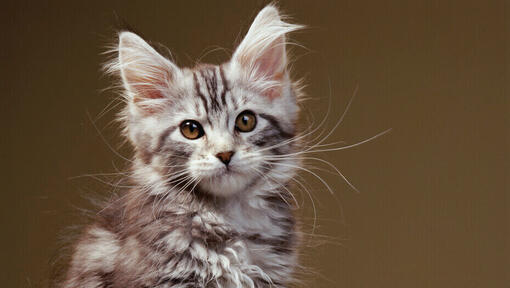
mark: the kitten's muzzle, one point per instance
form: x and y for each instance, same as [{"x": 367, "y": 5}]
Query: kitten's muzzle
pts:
[{"x": 225, "y": 157}]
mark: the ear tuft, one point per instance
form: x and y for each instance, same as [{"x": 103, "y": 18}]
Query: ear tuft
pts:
[{"x": 262, "y": 54}]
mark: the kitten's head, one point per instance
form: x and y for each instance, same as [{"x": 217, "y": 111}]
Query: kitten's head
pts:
[{"x": 216, "y": 128}]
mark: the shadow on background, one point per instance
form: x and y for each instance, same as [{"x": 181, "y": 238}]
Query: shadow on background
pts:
[{"x": 433, "y": 207}]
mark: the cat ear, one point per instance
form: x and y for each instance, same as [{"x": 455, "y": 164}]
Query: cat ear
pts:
[
  {"x": 262, "y": 54},
  {"x": 146, "y": 74}
]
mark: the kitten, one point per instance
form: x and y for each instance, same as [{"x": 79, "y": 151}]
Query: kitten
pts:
[{"x": 209, "y": 205}]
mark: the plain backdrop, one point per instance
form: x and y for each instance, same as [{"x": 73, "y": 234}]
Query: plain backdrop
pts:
[{"x": 432, "y": 208}]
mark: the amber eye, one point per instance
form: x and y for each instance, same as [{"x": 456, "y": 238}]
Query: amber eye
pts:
[
  {"x": 246, "y": 121},
  {"x": 191, "y": 129}
]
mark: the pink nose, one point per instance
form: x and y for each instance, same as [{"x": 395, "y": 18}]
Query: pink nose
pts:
[{"x": 225, "y": 156}]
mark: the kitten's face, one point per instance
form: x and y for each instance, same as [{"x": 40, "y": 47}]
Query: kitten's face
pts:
[
  {"x": 212, "y": 127},
  {"x": 220, "y": 132}
]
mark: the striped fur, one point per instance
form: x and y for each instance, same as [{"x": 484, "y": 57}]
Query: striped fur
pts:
[{"x": 190, "y": 220}]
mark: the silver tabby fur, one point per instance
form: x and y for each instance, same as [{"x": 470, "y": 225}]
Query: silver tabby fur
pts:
[{"x": 189, "y": 221}]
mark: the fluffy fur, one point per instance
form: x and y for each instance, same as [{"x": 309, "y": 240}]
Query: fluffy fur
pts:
[{"x": 189, "y": 220}]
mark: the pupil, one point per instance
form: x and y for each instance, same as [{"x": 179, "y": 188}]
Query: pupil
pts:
[
  {"x": 192, "y": 127},
  {"x": 245, "y": 120}
]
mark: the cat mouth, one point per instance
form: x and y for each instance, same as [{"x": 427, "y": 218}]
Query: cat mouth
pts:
[
  {"x": 225, "y": 171},
  {"x": 225, "y": 181}
]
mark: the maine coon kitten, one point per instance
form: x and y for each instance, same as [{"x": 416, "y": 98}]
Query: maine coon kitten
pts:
[{"x": 209, "y": 205}]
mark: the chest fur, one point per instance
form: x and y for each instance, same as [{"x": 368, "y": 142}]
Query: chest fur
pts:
[{"x": 242, "y": 248}]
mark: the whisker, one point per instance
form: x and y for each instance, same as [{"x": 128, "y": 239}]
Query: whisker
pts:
[
  {"x": 106, "y": 142},
  {"x": 336, "y": 148},
  {"x": 309, "y": 171},
  {"x": 311, "y": 200},
  {"x": 327, "y": 163},
  {"x": 352, "y": 145},
  {"x": 267, "y": 177},
  {"x": 341, "y": 117}
]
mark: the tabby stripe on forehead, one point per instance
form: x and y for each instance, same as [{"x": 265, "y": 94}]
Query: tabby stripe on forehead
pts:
[
  {"x": 199, "y": 93},
  {"x": 276, "y": 124},
  {"x": 225, "y": 86},
  {"x": 210, "y": 80}
]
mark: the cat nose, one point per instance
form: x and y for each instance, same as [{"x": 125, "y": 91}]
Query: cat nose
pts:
[{"x": 225, "y": 156}]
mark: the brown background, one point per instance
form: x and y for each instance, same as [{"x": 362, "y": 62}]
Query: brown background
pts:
[{"x": 433, "y": 204}]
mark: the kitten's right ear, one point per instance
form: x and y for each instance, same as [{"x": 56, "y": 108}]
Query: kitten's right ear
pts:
[{"x": 146, "y": 74}]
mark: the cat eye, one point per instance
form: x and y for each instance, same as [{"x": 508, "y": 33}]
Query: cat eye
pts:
[
  {"x": 246, "y": 121},
  {"x": 191, "y": 129}
]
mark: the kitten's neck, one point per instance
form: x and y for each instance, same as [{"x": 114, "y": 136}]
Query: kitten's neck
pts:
[{"x": 254, "y": 209}]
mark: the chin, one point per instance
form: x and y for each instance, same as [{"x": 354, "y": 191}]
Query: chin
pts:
[{"x": 226, "y": 184}]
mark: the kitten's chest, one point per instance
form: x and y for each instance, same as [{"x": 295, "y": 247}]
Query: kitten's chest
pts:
[
  {"x": 238, "y": 223},
  {"x": 241, "y": 244}
]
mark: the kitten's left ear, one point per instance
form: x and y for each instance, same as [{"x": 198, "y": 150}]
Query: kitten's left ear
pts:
[{"x": 262, "y": 54}]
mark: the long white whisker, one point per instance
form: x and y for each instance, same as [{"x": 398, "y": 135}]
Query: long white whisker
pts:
[
  {"x": 311, "y": 200},
  {"x": 327, "y": 163},
  {"x": 306, "y": 170},
  {"x": 106, "y": 142},
  {"x": 352, "y": 145},
  {"x": 267, "y": 177},
  {"x": 336, "y": 148},
  {"x": 341, "y": 117}
]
